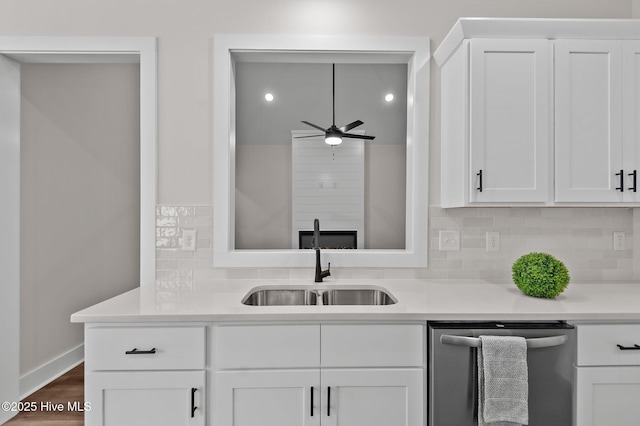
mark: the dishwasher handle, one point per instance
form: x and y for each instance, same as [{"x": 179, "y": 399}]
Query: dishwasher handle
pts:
[{"x": 475, "y": 342}]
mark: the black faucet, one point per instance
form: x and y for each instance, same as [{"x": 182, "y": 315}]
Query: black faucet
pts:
[{"x": 320, "y": 274}]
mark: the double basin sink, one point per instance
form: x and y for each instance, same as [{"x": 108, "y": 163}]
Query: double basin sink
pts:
[{"x": 318, "y": 296}]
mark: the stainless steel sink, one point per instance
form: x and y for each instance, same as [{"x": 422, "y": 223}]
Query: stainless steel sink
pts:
[
  {"x": 281, "y": 297},
  {"x": 357, "y": 296},
  {"x": 318, "y": 295}
]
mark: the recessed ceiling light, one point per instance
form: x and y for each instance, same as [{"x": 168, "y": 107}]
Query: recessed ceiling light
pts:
[
  {"x": 268, "y": 97},
  {"x": 388, "y": 97}
]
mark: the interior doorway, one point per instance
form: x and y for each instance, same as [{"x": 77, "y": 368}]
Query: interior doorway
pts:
[{"x": 14, "y": 53}]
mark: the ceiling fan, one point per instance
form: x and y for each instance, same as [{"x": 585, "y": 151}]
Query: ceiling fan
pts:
[{"x": 334, "y": 134}]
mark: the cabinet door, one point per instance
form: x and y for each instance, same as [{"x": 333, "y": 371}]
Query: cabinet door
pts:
[
  {"x": 510, "y": 116},
  {"x": 607, "y": 396},
  {"x": 146, "y": 398},
  {"x": 631, "y": 119},
  {"x": 267, "y": 398},
  {"x": 588, "y": 100},
  {"x": 372, "y": 397}
]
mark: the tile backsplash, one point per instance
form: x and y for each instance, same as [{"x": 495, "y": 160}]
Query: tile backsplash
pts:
[{"x": 581, "y": 237}]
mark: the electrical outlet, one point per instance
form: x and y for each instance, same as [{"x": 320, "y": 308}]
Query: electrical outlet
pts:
[
  {"x": 619, "y": 241},
  {"x": 189, "y": 238},
  {"x": 449, "y": 241},
  {"x": 493, "y": 241}
]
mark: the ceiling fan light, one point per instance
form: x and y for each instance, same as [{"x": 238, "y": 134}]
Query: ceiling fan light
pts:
[{"x": 333, "y": 140}]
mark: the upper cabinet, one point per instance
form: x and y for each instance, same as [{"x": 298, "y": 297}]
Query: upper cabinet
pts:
[{"x": 539, "y": 112}]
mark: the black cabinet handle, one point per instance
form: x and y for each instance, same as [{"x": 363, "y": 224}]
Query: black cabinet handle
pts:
[
  {"x": 629, "y": 348},
  {"x": 311, "y": 401},
  {"x": 135, "y": 351},
  {"x": 634, "y": 178},
  {"x": 328, "y": 401},
  {"x": 621, "y": 187},
  {"x": 193, "y": 402},
  {"x": 479, "y": 174}
]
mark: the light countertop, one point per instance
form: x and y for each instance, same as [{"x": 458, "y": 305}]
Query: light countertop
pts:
[{"x": 220, "y": 300}]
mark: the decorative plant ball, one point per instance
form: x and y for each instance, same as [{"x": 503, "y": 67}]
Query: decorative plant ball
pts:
[{"x": 540, "y": 275}]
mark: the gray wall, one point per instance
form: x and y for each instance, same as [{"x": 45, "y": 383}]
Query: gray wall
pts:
[{"x": 79, "y": 198}]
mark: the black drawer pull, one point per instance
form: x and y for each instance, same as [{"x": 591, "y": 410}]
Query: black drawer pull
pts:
[
  {"x": 135, "y": 351},
  {"x": 311, "y": 401},
  {"x": 621, "y": 187},
  {"x": 634, "y": 175},
  {"x": 629, "y": 348},
  {"x": 479, "y": 174},
  {"x": 193, "y": 402}
]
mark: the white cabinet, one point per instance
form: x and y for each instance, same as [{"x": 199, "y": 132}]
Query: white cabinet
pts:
[
  {"x": 588, "y": 105},
  {"x": 267, "y": 397},
  {"x": 540, "y": 112},
  {"x": 496, "y": 123},
  {"x": 372, "y": 397},
  {"x": 607, "y": 375},
  {"x": 145, "y": 375},
  {"x": 361, "y": 374},
  {"x": 597, "y": 109},
  {"x": 145, "y": 398}
]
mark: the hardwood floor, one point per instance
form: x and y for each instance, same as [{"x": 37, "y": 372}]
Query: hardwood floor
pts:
[{"x": 55, "y": 404}]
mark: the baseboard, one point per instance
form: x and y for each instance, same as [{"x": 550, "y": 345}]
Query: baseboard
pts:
[{"x": 46, "y": 373}]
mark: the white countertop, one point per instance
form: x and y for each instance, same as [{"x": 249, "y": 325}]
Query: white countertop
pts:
[{"x": 220, "y": 300}]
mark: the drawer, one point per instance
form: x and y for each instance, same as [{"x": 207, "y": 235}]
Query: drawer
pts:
[
  {"x": 145, "y": 348},
  {"x": 266, "y": 346},
  {"x": 598, "y": 344},
  {"x": 373, "y": 345}
]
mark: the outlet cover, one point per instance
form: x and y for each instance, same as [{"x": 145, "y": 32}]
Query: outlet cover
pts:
[
  {"x": 619, "y": 241},
  {"x": 189, "y": 238},
  {"x": 449, "y": 241},
  {"x": 493, "y": 241}
]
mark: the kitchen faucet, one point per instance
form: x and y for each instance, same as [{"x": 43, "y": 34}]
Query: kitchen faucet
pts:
[{"x": 320, "y": 274}]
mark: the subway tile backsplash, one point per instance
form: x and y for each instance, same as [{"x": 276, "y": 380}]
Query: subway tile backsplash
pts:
[{"x": 581, "y": 237}]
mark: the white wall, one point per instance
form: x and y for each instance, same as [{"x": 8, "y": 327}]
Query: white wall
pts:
[
  {"x": 184, "y": 31},
  {"x": 80, "y": 198}
]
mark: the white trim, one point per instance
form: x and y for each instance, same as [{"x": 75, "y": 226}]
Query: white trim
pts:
[
  {"x": 10, "y": 231},
  {"x": 415, "y": 51},
  {"x": 67, "y": 50},
  {"x": 116, "y": 50},
  {"x": 51, "y": 370}
]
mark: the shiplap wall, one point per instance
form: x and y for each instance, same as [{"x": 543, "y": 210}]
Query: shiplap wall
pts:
[{"x": 327, "y": 184}]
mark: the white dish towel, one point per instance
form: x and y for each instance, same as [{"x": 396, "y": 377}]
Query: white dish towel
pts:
[{"x": 503, "y": 385}]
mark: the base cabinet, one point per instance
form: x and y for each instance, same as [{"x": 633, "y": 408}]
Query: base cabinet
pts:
[
  {"x": 333, "y": 375},
  {"x": 146, "y": 398},
  {"x": 607, "y": 396},
  {"x": 607, "y": 386},
  {"x": 254, "y": 397},
  {"x": 372, "y": 397},
  {"x": 145, "y": 375}
]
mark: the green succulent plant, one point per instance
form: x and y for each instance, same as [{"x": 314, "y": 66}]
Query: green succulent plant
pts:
[{"x": 540, "y": 275}]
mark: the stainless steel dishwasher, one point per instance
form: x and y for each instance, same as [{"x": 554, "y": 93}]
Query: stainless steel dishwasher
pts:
[{"x": 452, "y": 391}]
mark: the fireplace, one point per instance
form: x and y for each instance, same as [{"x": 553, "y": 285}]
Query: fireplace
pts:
[{"x": 329, "y": 239}]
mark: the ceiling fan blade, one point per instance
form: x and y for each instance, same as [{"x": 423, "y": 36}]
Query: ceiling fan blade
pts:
[
  {"x": 314, "y": 125},
  {"x": 354, "y": 136},
  {"x": 310, "y": 136},
  {"x": 350, "y": 126}
]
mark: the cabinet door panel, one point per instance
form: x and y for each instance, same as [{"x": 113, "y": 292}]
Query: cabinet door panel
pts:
[
  {"x": 380, "y": 397},
  {"x": 145, "y": 398},
  {"x": 510, "y": 115},
  {"x": 631, "y": 118},
  {"x": 267, "y": 398},
  {"x": 607, "y": 396},
  {"x": 588, "y": 77}
]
